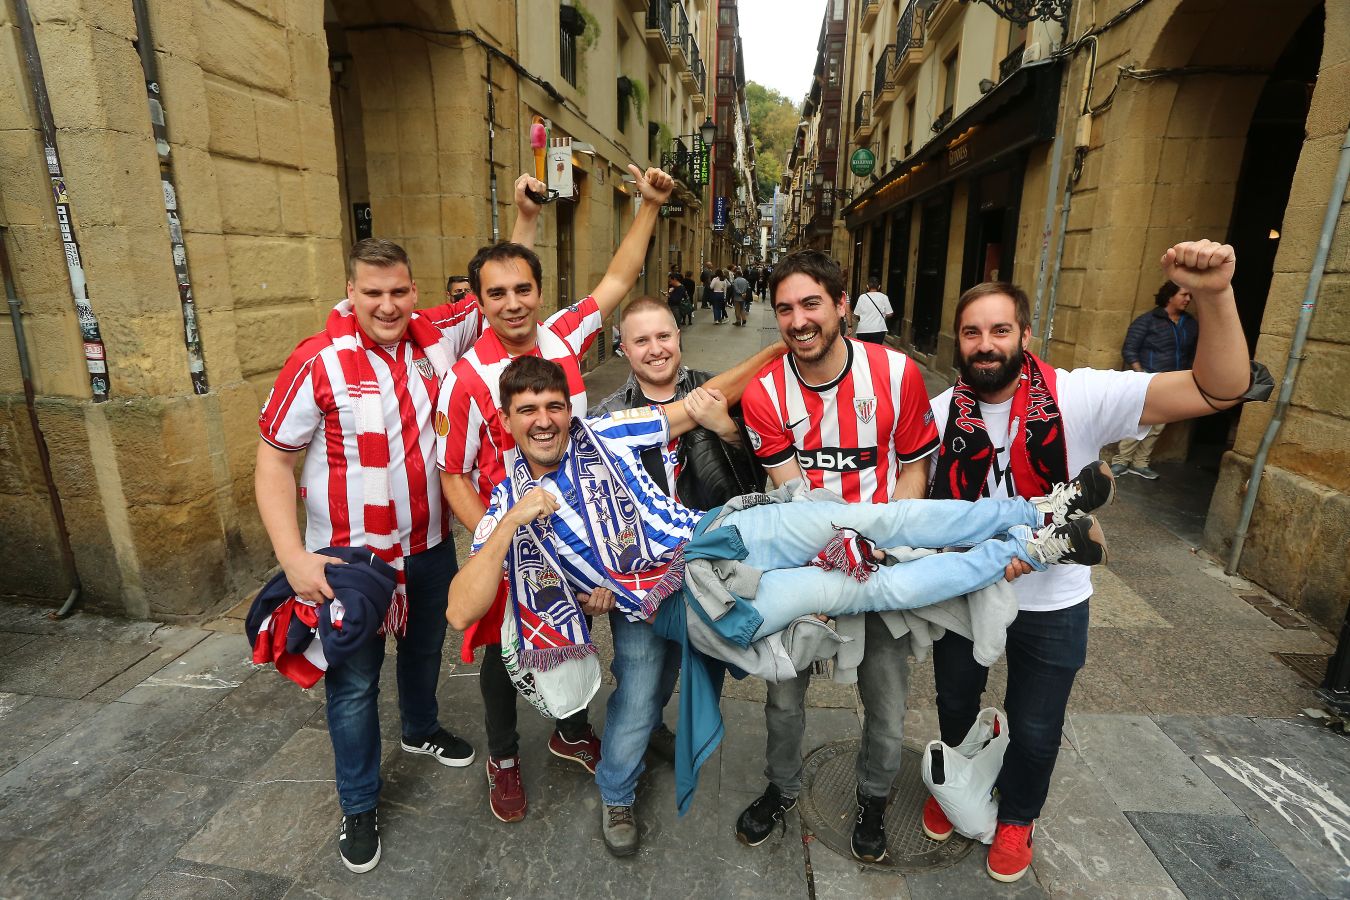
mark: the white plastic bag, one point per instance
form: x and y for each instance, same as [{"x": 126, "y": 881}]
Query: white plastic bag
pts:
[
  {"x": 962, "y": 780},
  {"x": 559, "y": 692}
]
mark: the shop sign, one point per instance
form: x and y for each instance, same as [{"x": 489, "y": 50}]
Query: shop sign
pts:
[{"x": 862, "y": 162}]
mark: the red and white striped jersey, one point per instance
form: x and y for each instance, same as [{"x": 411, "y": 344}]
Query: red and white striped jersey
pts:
[
  {"x": 850, "y": 435},
  {"x": 309, "y": 408},
  {"x": 470, "y": 439}
]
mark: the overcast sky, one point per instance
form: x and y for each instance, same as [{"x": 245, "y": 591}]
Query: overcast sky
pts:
[{"x": 780, "y": 43}]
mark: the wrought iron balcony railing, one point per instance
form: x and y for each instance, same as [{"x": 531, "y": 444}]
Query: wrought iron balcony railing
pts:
[
  {"x": 884, "y": 78},
  {"x": 862, "y": 110}
]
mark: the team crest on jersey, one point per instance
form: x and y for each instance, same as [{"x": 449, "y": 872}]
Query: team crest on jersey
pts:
[
  {"x": 755, "y": 440},
  {"x": 441, "y": 424},
  {"x": 424, "y": 367},
  {"x": 866, "y": 408}
]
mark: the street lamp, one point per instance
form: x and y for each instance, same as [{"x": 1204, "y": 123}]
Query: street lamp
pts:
[
  {"x": 707, "y": 131},
  {"x": 680, "y": 155}
]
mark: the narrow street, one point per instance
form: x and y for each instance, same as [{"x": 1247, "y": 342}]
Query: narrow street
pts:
[{"x": 144, "y": 760}]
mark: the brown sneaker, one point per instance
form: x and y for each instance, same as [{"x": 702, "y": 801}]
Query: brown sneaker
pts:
[
  {"x": 506, "y": 794},
  {"x": 584, "y": 751}
]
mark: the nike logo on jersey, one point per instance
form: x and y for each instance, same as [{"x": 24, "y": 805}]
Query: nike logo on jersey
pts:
[
  {"x": 839, "y": 459},
  {"x": 791, "y": 425}
]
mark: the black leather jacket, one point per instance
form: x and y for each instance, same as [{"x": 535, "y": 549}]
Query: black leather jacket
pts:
[{"x": 711, "y": 470}]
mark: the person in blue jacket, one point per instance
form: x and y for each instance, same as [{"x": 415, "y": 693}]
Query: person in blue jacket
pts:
[{"x": 1161, "y": 340}]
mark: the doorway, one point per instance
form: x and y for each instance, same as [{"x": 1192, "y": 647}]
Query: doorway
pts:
[
  {"x": 931, "y": 271},
  {"x": 897, "y": 270}
]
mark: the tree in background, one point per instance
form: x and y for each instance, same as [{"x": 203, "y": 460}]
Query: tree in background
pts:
[{"x": 773, "y": 125}]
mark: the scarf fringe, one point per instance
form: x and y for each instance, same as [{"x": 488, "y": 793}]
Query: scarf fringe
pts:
[{"x": 542, "y": 659}]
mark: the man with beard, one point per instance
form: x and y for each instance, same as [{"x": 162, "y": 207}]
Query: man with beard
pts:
[
  {"x": 853, "y": 418},
  {"x": 1013, "y": 424}
]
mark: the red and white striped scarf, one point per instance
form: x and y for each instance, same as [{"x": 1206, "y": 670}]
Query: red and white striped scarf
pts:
[{"x": 379, "y": 520}]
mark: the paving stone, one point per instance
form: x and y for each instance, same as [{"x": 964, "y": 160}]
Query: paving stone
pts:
[
  {"x": 242, "y": 731},
  {"x": 1326, "y": 753},
  {"x": 13, "y": 852},
  {"x": 968, "y": 879},
  {"x": 264, "y": 826},
  {"x": 34, "y": 722},
  {"x": 70, "y": 667},
  {"x": 1219, "y": 857},
  {"x": 184, "y": 878},
  {"x": 1116, "y": 605},
  {"x": 112, "y": 847},
  {"x": 1083, "y": 841},
  {"x": 12, "y": 640},
  {"x": 837, "y": 878},
  {"x": 1225, "y": 735},
  {"x": 198, "y": 679},
  {"x": 1142, "y": 769},
  {"x": 172, "y": 642},
  {"x": 40, "y": 795}
]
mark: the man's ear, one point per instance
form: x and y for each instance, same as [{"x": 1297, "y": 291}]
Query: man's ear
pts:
[{"x": 351, "y": 292}]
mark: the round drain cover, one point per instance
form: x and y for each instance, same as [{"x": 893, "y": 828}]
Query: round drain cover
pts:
[{"x": 829, "y": 804}]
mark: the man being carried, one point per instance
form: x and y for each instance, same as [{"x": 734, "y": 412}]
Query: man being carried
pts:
[
  {"x": 578, "y": 522},
  {"x": 1013, "y": 425}
]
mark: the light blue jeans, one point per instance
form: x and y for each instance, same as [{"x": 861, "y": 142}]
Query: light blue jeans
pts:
[
  {"x": 783, "y": 537},
  {"x": 634, "y": 708}
]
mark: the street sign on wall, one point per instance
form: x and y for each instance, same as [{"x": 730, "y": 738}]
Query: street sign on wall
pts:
[
  {"x": 862, "y": 162},
  {"x": 721, "y": 206}
]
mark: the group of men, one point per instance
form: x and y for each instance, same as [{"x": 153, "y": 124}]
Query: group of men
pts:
[{"x": 387, "y": 395}]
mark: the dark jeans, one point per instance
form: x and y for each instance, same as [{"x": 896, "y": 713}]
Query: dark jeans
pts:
[
  {"x": 499, "y": 706},
  {"x": 1045, "y": 652},
  {"x": 719, "y": 307},
  {"x": 353, "y": 688},
  {"x": 871, "y": 337}
]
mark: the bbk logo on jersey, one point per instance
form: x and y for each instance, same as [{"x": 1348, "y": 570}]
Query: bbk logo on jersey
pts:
[{"x": 839, "y": 459}]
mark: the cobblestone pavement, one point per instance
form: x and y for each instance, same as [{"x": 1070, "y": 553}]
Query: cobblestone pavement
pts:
[{"x": 143, "y": 760}]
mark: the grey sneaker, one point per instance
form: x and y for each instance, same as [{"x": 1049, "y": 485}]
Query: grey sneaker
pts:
[
  {"x": 1094, "y": 487},
  {"x": 1080, "y": 541},
  {"x": 1144, "y": 472},
  {"x": 619, "y": 829},
  {"x": 1119, "y": 469}
]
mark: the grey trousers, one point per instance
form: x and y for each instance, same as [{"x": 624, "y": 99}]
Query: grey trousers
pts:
[{"x": 883, "y": 683}]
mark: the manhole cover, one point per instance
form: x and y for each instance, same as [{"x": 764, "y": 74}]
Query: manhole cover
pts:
[
  {"x": 829, "y": 804},
  {"x": 1312, "y": 666}
]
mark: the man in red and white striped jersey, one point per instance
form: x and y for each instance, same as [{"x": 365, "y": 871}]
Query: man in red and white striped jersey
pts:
[
  {"x": 854, "y": 418},
  {"x": 360, "y": 397},
  {"x": 472, "y": 441}
]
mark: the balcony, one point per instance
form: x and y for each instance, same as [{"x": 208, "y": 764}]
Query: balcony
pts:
[
  {"x": 862, "y": 118},
  {"x": 681, "y": 38},
  {"x": 658, "y": 34},
  {"x": 867, "y": 13},
  {"x": 941, "y": 15},
  {"x": 700, "y": 76},
  {"x": 1011, "y": 63},
  {"x": 909, "y": 43},
  {"x": 884, "y": 86}
]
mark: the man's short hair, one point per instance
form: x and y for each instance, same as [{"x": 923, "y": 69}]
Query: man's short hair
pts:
[
  {"x": 376, "y": 252},
  {"x": 814, "y": 264},
  {"x": 873, "y": 283},
  {"x": 1021, "y": 304},
  {"x": 500, "y": 252},
  {"x": 1165, "y": 293},
  {"x": 645, "y": 303},
  {"x": 449, "y": 282},
  {"x": 531, "y": 373}
]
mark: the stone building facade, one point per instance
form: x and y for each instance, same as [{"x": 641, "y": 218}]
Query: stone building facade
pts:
[
  {"x": 290, "y": 127},
  {"x": 1068, "y": 155}
]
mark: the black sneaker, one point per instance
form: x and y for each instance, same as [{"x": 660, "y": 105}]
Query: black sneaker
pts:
[
  {"x": 359, "y": 841},
  {"x": 661, "y": 743},
  {"x": 757, "y": 822},
  {"x": 1094, "y": 487},
  {"x": 1080, "y": 541},
  {"x": 443, "y": 746},
  {"x": 869, "y": 829}
]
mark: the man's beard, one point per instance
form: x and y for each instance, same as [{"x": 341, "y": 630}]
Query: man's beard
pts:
[
  {"x": 991, "y": 380},
  {"x": 829, "y": 336}
]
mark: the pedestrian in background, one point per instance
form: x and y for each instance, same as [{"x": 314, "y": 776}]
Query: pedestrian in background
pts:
[
  {"x": 719, "y": 296},
  {"x": 872, "y": 309},
  {"x": 740, "y": 289},
  {"x": 1161, "y": 340},
  {"x": 705, "y": 278}
]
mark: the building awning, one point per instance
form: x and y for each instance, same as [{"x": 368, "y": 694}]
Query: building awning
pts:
[{"x": 1020, "y": 111}]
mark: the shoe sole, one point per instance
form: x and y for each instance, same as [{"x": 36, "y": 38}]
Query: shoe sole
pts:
[
  {"x": 620, "y": 851},
  {"x": 867, "y": 859},
  {"x": 1141, "y": 475},
  {"x": 1098, "y": 537},
  {"x": 934, "y": 836},
  {"x": 362, "y": 868},
  {"x": 571, "y": 759},
  {"x": 1105, "y": 471},
  {"x": 443, "y": 760},
  {"x": 1006, "y": 879}
]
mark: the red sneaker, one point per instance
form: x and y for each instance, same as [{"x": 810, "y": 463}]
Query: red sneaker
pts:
[
  {"x": 584, "y": 751},
  {"x": 936, "y": 825},
  {"x": 506, "y": 794},
  {"x": 1010, "y": 854}
]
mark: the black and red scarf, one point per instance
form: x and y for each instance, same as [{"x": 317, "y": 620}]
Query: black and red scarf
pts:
[{"x": 1037, "y": 454}]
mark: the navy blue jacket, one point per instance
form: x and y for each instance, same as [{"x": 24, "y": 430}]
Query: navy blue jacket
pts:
[{"x": 1160, "y": 345}]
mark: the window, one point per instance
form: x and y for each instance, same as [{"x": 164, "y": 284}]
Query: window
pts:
[
  {"x": 571, "y": 26},
  {"x": 909, "y": 127},
  {"x": 949, "y": 81},
  {"x": 725, "y": 15},
  {"x": 724, "y": 59},
  {"x": 838, "y": 9}
]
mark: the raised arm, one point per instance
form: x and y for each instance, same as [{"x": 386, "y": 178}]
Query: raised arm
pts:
[
  {"x": 729, "y": 385},
  {"x": 527, "y": 211},
  {"x": 655, "y": 187},
  {"x": 1221, "y": 366}
]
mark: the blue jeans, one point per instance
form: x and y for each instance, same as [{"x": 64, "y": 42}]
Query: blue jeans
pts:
[
  {"x": 783, "y": 537},
  {"x": 634, "y": 708},
  {"x": 1045, "y": 652},
  {"x": 719, "y": 307},
  {"x": 353, "y": 688}
]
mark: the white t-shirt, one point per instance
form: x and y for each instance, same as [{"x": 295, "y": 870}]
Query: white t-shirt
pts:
[
  {"x": 1097, "y": 407},
  {"x": 871, "y": 308}
]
